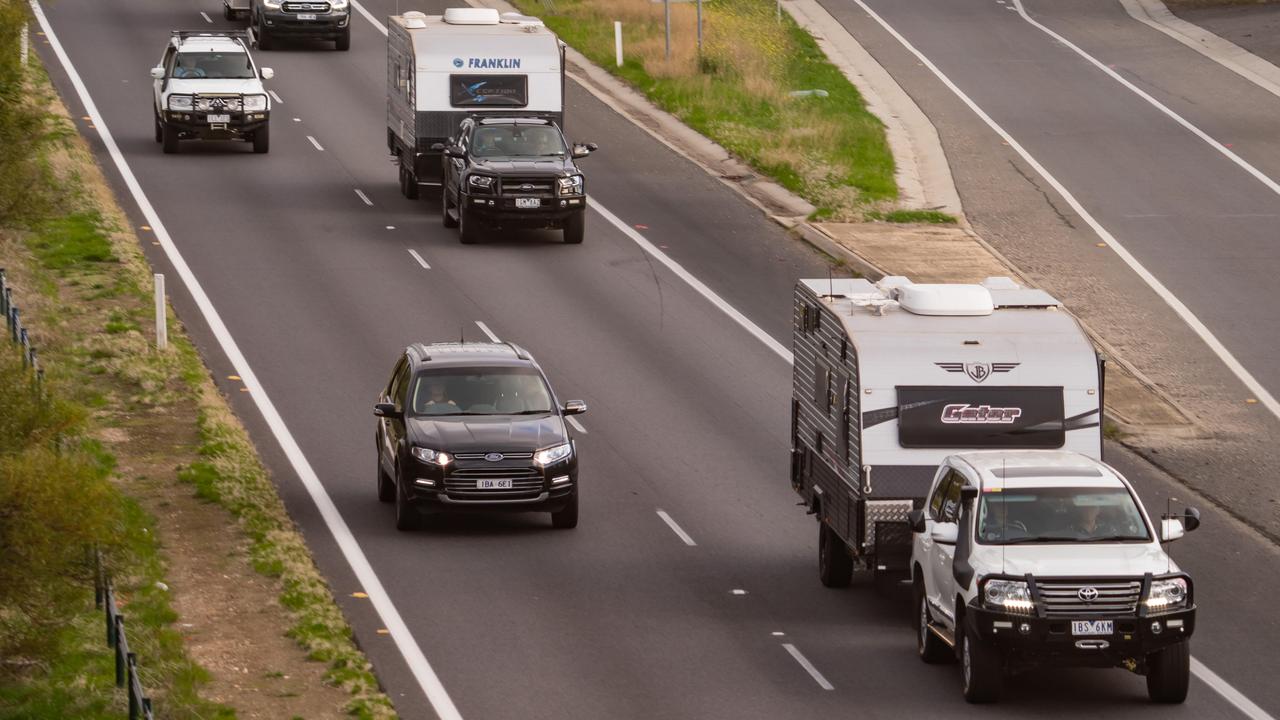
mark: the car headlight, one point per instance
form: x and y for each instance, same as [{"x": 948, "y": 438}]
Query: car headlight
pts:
[
  {"x": 180, "y": 102},
  {"x": 1169, "y": 594},
  {"x": 571, "y": 185},
  {"x": 338, "y": 4},
  {"x": 255, "y": 103},
  {"x": 1008, "y": 595},
  {"x": 435, "y": 457},
  {"x": 553, "y": 455},
  {"x": 273, "y": 4},
  {"x": 481, "y": 182}
]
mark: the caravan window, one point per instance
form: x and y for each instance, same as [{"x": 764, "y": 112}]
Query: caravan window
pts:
[{"x": 489, "y": 90}]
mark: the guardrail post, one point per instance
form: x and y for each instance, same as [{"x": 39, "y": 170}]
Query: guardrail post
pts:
[
  {"x": 4, "y": 293},
  {"x": 146, "y": 709},
  {"x": 131, "y": 661},
  {"x": 26, "y": 348},
  {"x": 122, "y": 650},
  {"x": 14, "y": 321}
]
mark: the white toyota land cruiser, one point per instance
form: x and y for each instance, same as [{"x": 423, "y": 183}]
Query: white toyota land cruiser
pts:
[
  {"x": 207, "y": 87},
  {"x": 1047, "y": 558}
]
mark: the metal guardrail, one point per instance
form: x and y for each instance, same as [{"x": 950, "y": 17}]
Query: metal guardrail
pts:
[
  {"x": 17, "y": 333},
  {"x": 104, "y": 598}
]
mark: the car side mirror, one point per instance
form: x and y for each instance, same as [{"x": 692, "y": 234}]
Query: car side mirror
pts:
[
  {"x": 267, "y": 73},
  {"x": 575, "y": 407},
  {"x": 1191, "y": 519},
  {"x": 455, "y": 151},
  {"x": 1171, "y": 530},
  {"x": 386, "y": 410},
  {"x": 157, "y": 73},
  {"x": 945, "y": 533},
  {"x": 915, "y": 519},
  {"x": 581, "y": 151}
]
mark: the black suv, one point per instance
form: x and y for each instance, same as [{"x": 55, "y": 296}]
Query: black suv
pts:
[
  {"x": 311, "y": 19},
  {"x": 513, "y": 172},
  {"x": 474, "y": 426}
]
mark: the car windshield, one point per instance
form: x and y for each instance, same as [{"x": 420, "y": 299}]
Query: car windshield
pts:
[
  {"x": 1059, "y": 515},
  {"x": 517, "y": 141},
  {"x": 233, "y": 65},
  {"x": 481, "y": 391}
]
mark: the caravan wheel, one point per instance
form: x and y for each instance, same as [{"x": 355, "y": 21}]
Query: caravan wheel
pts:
[{"x": 835, "y": 566}]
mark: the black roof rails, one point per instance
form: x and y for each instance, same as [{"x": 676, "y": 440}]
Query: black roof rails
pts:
[
  {"x": 231, "y": 33},
  {"x": 519, "y": 351},
  {"x": 421, "y": 350}
]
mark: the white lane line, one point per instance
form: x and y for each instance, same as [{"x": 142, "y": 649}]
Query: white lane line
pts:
[
  {"x": 420, "y": 260},
  {"x": 1233, "y": 696},
  {"x": 1170, "y": 299},
  {"x": 316, "y": 143},
  {"x": 487, "y": 331},
  {"x": 808, "y": 667},
  {"x": 363, "y": 197},
  {"x": 675, "y": 528},
  {"x": 347, "y": 544},
  {"x": 576, "y": 425},
  {"x": 275, "y": 97},
  {"x": 653, "y": 250},
  {"x": 206, "y": 17},
  {"x": 1206, "y": 335}
]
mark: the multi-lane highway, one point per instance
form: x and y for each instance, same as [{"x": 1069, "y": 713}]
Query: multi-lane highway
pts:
[{"x": 689, "y": 590}]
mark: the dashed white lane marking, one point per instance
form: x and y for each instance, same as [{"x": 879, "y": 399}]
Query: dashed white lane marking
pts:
[
  {"x": 276, "y": 98},
  {"x": 365, "y": 199},
  {"x": 419, "y": 258},
  {"x": 1232, "y": 695},
  {"x": 316, "y": 143},
  {"x": 675, "y": 528},
  {"x": 738, "y": 591},
  {"x": 576, "y": 425},
  {"x": 206, "y": 17},
  {"x": 808, "y": 667},
  {"x": 1217, "y": 683},
  {"x": 414, "y": 658},
  {"x": 488, "y": 332}
]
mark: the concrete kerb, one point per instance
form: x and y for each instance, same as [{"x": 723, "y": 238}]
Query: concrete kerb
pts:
[{"x": 1155, "y": 14}]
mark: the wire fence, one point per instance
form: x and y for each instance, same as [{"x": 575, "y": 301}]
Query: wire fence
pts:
[{"x": 104, "y": 595}]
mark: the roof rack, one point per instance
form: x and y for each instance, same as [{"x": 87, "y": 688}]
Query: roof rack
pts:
[
  {"x": 520, "y": 352},
  {"x": 421, "y": 350},
  {"x": 184, "y": 34}
]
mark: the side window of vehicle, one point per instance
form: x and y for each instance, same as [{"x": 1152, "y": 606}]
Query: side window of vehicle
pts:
[
  {"x": 167, "y": 62},
  {"x": 395, "y": 388},
  {"x": 935, "y": 500},
  {"x": 951, "y": 501}
]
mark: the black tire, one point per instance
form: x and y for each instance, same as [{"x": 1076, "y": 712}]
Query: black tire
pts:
[
  {"x": 929, "y": 646},
  {"x": 228, "y": 13},
  {"x": 407, "y": 516},
  {"x": 386, "y": 486},
  {"x": 343, "y": 41},
  {"x": 264, "y": 38},
  {"x": 980, "y": 670},
  {"x": 408, "y": 184},
  {"x": 575, "y": 227},
  {"x": 468, "y": 233},
  {"x": 835, "y": 566},
  {"x": 446, "y": 207},
  {"x": 1169, "y": 673},
  {"x": 567, "y": 517},
  {"x": 159, "y": 127},
  {"x": 262, "y": 140},
  {"x": 169, "y": 139}
]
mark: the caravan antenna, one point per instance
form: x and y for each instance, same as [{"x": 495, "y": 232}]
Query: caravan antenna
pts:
[{"x": 462, "y": 334}]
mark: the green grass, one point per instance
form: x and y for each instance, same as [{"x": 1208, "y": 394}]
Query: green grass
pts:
[
  {"x": 929, "y": 217},
  {"x": 72, "y": 241},
  {"x": 830, "y": 151}
]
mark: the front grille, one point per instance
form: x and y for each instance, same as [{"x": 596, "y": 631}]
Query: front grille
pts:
[
  {"x": 528, "y": 187},
  {"x": 460, "y": 483},
  {"x": 505, "y": 456},
  {"x": 219, "y": 103},
  {"x": 306, "y": 7},
  {"x": 1062, "y": 599}
]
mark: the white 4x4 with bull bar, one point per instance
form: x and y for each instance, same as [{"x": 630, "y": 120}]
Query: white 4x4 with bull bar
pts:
[
  {"x": 208, "y": 87},
  {"x": 1037, "y": 558}
]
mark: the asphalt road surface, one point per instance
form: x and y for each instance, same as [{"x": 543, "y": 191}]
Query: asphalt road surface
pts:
[{"x": 622, "y": 617}]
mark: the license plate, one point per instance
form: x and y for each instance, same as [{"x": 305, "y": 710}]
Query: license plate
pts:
[
  {"x": 1092, "y": 627},
  {"x": 493, "y": 484},
  {"x": 528, "y": 202},
  {"x": 219, "y": 118},
  {"x": 306, "y": 16}
]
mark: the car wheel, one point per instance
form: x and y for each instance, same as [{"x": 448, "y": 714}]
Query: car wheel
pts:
[
  {"x": 446, "y": 209},
  {"x": 386, "y": 486},
  {"x": 980, "y": 669},
  {"x": 343, "y": 42},
  {"x": 467, "y": 232},
  {"x": 929, "y": 646},
  {"x": 169, "y": 138},
  {"x": 407, "y": 516},
  {"x": 835, "y": 567},
  {"x": 262, "y": 139},
  {"x": 567, "y": 517},
  {"x": 575, "y": 227},
  {"x": 264, "y": 39},
  {"x": 1169, "y": 673}
]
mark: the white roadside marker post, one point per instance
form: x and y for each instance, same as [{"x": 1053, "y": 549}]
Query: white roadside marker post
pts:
[
  {"x": 24, "y": 43},
  {"x": 617, "y": 41},
  {"x": 162, "y": 325}
]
